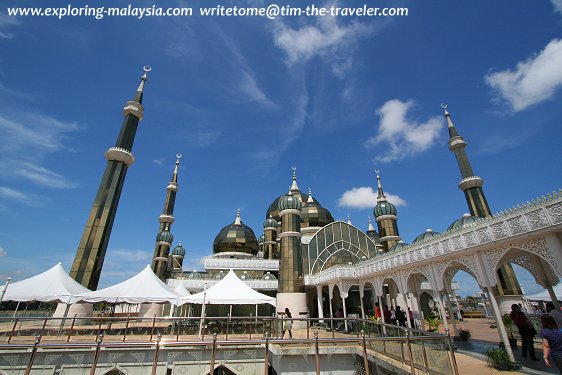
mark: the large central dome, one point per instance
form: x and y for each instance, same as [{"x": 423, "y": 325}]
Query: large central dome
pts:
[{"x": 236, "y": 240}]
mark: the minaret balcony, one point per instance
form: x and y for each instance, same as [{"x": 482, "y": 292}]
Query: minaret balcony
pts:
[
  {"x": 166, "y": 219},
  {"x": 471, "y": 182},
  {"x": 172, "y": 186},
  {"x": 120, "y": 154},
  {"x": 456, "y": 142},
  {"x": 134, "y": 108}
]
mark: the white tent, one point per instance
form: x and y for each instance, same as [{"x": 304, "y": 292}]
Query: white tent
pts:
[
  {"x": 144, "y": 287},
  {"x": 181, "y": 290},
  {"x": 545, "y": 296},
  {"x": 229, "y": 291},
  {"x": 52, "y": 285}
]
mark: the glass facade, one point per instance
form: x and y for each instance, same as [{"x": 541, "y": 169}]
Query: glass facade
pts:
[{"x": 336, "y": 243}]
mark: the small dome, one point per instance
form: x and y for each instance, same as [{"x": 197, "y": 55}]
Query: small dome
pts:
[
  {"x": 270, "y": 223},
  {"x": 273, "y": 210},
  {"x": 289, "y": 202},
  {"x": 425, "y": 235},
  {"x": 314, "y": 215},
  {"x": 194, "y": 276},
  {"x": 179, "y": 250},
  {"x": 466, "y": 219},
  {"x": 165, "y": 236},
  {"x": 398, "y": 246},
  {"x": 236, "y": 238},
  {"x": 269, "y": 276},
  {"x": 384, "y": 208},
  {"x": 219, "y": 276},
  {"x": 246, "y": 276}
]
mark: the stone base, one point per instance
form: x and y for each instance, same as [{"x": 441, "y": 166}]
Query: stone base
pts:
[
  {"x": 79, "y": 310},
  {"x": 505, "y": 302},
  {"x": 296, "y": 302}
]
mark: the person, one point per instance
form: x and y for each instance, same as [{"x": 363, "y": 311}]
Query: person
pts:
[
  {"x": 387, "y": 315},
  {"x": 287, "y": 323},
  {"x": 411, "y": 314},
  {"x": 551, "y": 341},
  {"x": 377, "y": 310},
  {"x": 526, "y": 330},
  {"x": 556, "y": 314},
  {"x": 392, "y": 315},
  {"x": 400, "y": 317}
]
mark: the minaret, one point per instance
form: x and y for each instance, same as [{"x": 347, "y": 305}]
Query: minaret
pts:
[
  {"x": 88, "y": 262},
  {"x": 162, "y": 248},
  {"x": 385, "y": 216},
  {"x": 294, "y": 189},
  {"x": 471, "y": 185},
  {"x": 270, "y": 237}
]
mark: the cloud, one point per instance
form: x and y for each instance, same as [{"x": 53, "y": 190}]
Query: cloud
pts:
[
  {"x": 250, "y": 89},
  {"x": 203, "y": 137},
  {"x": 5, "y": 23},
  {"x": 31, "y": 138},
  {"x": 366, "y": 197},
  {"x": 2, "y": 252},
  {"x": 557, "y": 5},
  {"x": 132, "y": 255},
  {"x": 403, "y": 137},
  {"x": 327, "y": 39},
  {"x": 532, "y": 81},
  {"x": 159, "y": 162},
  {"x": 19, "y": 196}
]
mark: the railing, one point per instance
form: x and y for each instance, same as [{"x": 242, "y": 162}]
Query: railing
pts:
[{"x": 417, "y": 350}]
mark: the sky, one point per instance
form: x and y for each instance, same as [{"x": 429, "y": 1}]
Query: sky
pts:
[{"x": 244, "y": 99}]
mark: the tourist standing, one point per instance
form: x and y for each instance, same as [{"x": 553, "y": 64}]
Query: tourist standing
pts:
[
  {"x": 556, "y": 314},
  {"x": 387, "y": 315},
  {"x": 377, "y": 310},
  {"x": 392, "y": 315},
  {"x": 551, "y": 341},
  {"x": 526, "y": 330},
  {"x": 400, "y": 316},
  {"x": 287, "y": 323}
]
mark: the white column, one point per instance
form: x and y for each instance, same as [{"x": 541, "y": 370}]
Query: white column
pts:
[
  {"x": 420, "y": 312},
  {"x": 344, "y": 310},
  {"x": 361, "y": 295},
  {"x": 405, "y": 298},
  {"x": 331, "y": 295},
  {"x": 319, "y": 299},
  {"x": 553, "y": 297},
  {"x": 442, "y": 309},
  {"x": 500, "y": 325},
  {"x": 453, "y": 322}
]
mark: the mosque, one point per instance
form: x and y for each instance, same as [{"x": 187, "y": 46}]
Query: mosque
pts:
[{"x": 300, "y": 237}]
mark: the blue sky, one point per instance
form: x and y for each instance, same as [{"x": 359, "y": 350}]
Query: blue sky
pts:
[{"x": 244, "y": 99}]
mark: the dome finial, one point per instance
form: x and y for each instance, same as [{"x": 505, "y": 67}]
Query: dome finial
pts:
[
  {"x": 370, "y": 227},
  {"x": 380, "y": 195},
  {"x": 175, "y": 175},
  {"x": 348, "y": 219},
  {"x": 237, "y": 221},
  {"x": 140, "y": 90},
  {"x": 294, "y": 186},
  {"x": 310, "y": 199}
]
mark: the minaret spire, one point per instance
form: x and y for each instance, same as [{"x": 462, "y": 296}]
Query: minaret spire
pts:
[
  {"x": 294, "y": 186},
  {"x": 380, "y": 193},
  {"x": 237, "y": 221},
  {"x": 470, "y": 184},
  {"x": 88, "y": 261},
  {"x": 162, "y": 248}
]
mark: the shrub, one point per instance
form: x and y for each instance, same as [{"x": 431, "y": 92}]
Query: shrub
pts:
[
  {"x": 498, "y": 358},
  {"x": 464, "y": 334}
]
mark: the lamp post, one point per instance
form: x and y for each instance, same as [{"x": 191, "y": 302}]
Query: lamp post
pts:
[{"x": 4, "y": 289}]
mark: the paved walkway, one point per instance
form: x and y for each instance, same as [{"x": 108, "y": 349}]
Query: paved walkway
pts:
[{"x": 470, "y": 357}]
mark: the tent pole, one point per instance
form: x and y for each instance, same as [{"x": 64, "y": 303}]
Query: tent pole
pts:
[
  {"x": 4, "y": 289},
  {"x": 203, "y": 311},
  {"x": 230, "y": 314}
]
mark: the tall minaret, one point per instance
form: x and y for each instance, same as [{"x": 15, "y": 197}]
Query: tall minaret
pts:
[
  {"x": 270, "y": 237},
  {"x": 88, "y": 262},
  {"x": 471, "y": 185},
  {"x": 162, "y": 248},
  {"x": 385, "y": 216}
]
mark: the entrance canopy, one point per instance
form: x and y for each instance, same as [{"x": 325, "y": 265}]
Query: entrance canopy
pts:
[
  {"x": 229, "y": 291},
  {"x": 50, "y": 286},
  {"x": 144, "y": 287}
]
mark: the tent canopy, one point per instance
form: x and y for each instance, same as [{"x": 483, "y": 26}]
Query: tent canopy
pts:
[
  {"x": 545, "y": 296},
  {"x": 144, "y": 287},
  {"x": 229, "y": 291},
  {"x": 181, "y": 290},
  {"x": 50, "y": 286}
]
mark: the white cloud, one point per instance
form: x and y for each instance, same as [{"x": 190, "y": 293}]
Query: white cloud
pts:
[
  {"x": 557, "y": 5},
  {"x": 327, "y": 39},
  {"x": 159, "y": 162},
  {"x": 403, "y": 137},
  {"x": 27, "y": 141},
  {"x": 532, "y": 81},
  {"x": 19, "y": 196},
  {"x": 249, "y": 87},
  {"x": 5, "y": 23},
  {"x": 132, "y": 255},
  {"x": 365, "y": 197},
  {"x": 2, "y": 252}
]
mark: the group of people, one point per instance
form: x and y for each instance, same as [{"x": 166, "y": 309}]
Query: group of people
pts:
[
  {"x": 551, "y": 334},
  {"x": 395, "y": 316}
]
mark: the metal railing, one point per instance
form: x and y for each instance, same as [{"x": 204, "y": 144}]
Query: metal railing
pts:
[{"x": 418, "y": 350}]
